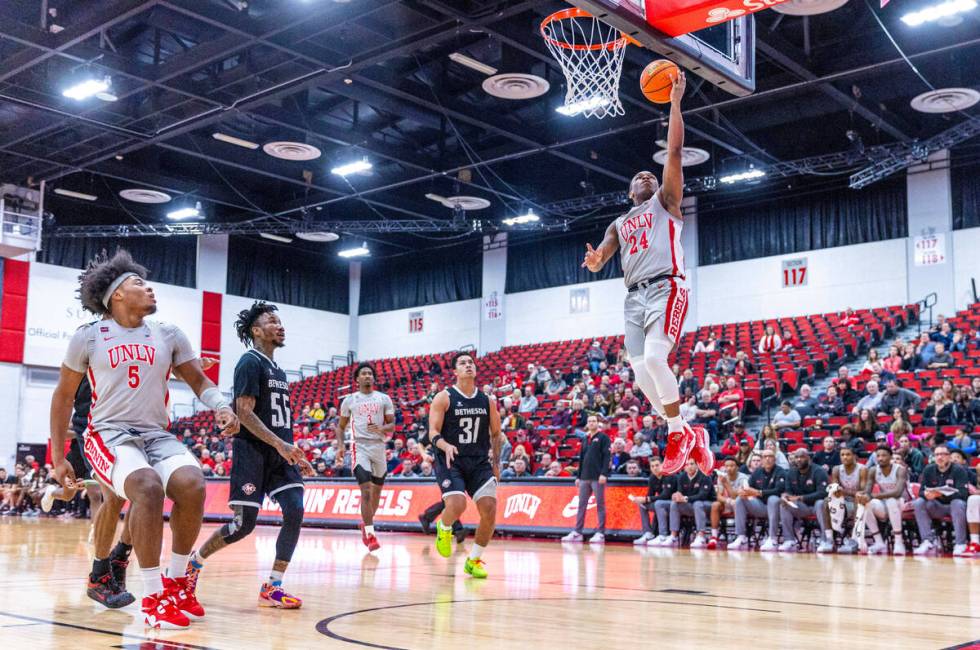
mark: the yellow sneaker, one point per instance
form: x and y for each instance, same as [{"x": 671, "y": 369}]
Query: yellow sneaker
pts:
[
  {"x": 444, "y": 539},
  {"x": 476, "y": 568}
]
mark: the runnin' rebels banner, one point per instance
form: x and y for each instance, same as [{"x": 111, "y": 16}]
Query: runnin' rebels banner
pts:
[{"x": 532, "y": 507}]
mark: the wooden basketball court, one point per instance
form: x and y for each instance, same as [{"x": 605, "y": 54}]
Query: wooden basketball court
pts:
[{"x": 540, "y": 594}]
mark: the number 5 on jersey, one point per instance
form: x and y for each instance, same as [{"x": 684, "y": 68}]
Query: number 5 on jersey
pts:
[{"x": 281, "y": 415}]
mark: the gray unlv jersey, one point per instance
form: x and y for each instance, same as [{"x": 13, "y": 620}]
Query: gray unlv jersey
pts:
[
  {"x": 128, "y": 370},
  {"x": 364, "y": 410},
  {"x": 650, "y": 242}
]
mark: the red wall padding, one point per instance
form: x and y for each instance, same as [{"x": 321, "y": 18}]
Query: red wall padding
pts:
[
  {"x": 13, "y": 316},
  {"x": 211, "y": 331}
]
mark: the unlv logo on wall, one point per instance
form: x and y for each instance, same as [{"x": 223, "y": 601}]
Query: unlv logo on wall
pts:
[{"x": 522, "y": 502}]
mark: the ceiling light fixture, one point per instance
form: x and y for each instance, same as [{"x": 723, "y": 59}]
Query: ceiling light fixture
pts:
[
  {"x": 530, "y": 217},
  {"x": 90, "y": 87},
  {"x": 752, "y": 174},
  {"x": 582, "y": 106},
  {"x": 186, "y": 212},
  {"x": 75, "y": 195},
  {"x": 238, "y": 142},
  {"x": 278, "y": 238},
  {"x": 938, "y": 11},
  {"x": 473, "y": 64},
  {"x": 352, "y": 168},
  {"x": 360, "y": 251}
]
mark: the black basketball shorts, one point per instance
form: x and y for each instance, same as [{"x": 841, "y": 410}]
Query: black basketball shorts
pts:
[
  {"x": 78, "y": 462},
  {"x": 471, "y": 475},
  {"x": 258, "y": 470}
]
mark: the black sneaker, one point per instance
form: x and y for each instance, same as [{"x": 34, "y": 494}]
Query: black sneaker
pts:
[
  {"x": 118, "y": 567},
  {"x": 459, "y": 532},
  {"x": 106, "y": 591},
  {"x": 426, "y": 524}
]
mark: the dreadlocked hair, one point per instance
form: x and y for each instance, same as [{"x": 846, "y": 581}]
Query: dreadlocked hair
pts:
[
  {"x": 102, "y": 272},
  {"x": 247, "y": 318}
]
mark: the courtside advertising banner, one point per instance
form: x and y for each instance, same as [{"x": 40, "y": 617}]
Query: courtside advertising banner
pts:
[{"x": 522, "y": 507}]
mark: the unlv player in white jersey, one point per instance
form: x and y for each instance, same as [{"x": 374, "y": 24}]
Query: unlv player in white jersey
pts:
[
  {"x": 128, "y": 360},
  {"x": 648, "y": 238}
]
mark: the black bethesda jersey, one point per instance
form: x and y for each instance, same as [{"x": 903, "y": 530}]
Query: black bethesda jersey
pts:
[
  {"x": 258, "y": 376},
  {"x": 466, "y": 425}
]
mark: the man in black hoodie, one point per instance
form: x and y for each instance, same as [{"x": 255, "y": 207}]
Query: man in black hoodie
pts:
[
  {"x": 760, "y": 499},
  {"x": 806, "y": 488},
  {"x": 658, "y": 486},
  {"x": 594, "y": 470}
]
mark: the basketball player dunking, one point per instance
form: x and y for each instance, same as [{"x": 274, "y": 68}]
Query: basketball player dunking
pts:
[
  {"x": 371, "y": 416},
  {"x": 648, "y": 238},
  {"x": 128, "y": 360},
  {"x": 464, "y": 427},
  {"x": 264, "y": 459}
]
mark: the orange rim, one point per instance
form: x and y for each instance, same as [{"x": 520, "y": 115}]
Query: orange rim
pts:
[{"x": 572, "y": 13}]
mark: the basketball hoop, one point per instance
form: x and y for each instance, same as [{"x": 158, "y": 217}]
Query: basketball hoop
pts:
[{"x": 591, "y": 55}]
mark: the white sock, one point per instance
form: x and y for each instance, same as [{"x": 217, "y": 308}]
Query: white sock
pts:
[
  {"x": 178, "y": 565},
  {"x": 369, "y": 529},
  {"x": 275, "y": 577},
  {"x": 152, "y": 581},
  {"x": 714, "y": 532},
  {"x": 477, "y": 551},
  {"x": 879, "y": 539},
  {"x": 975, "y": 538},
  {"x": 675, "y": 423}
]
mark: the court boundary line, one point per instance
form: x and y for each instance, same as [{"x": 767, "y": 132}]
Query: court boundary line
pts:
[
  {"x": 323, "y": 626},
  {"x": 124, "y": 635}
]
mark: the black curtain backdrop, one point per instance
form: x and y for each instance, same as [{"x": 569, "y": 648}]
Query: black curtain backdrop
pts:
[
  {"x": 790, "y": 224},
  {"x": 288, "y": 274},
  {"x": 170, "y": 260},
  {"x": 427, "y": 278},
  {"x": 553, "y": 260},
  {"x": 965, "y": 180}
]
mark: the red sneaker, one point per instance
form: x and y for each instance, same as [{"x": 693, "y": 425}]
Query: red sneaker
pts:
[
  {"x": 972, "y": 550},
  {"x": 712, "y": 543},
  {"x": 160, "y": 611},
  {"x": 702, "y": 454},
  {"x": 369, "y": 539},
  {"x": 184, "y": 597},
  {"x": 679, "y": 446}
]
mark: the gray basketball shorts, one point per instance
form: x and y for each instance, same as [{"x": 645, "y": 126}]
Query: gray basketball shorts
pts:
[
  {"x": 370, "y": 456},
  {"x": 114, "y": 455},
  {"x": 664, "y": 304}
]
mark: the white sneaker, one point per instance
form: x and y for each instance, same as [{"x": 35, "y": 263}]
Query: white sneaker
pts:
[
  {"x": 826, "y": 546},
  {"x": 598, "y": 538},
  {"x": 789, "y": 546},
  {"x": 960, "y": 551},
  {"x": 768, "y": 546},
  {"x": 47, "y": 501},
  {"x": 660, "y": 540},
  {"x": 572, "y": 537},
  {"x": 924, "y": 548},
  {"x": 899, "y": 548},
  {"x": 671, "y": 542},
  {"x": 701, "y": 542},
  {"x": 642, "y": 539},
  {"x": 739, "y": 544},
  {"x": 877, "y": 548},
  {"x": 849, "y": 547}
]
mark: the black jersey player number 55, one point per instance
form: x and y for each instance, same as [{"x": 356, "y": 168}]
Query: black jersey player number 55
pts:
[{"x": 280, "y": 410}]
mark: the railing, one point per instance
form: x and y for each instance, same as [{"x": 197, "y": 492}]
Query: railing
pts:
[{"x": 927, "y": 303}]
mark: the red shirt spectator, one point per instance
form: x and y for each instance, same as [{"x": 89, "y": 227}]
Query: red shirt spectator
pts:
[
  {"x": 731, "y": 445},
  {"x": 850, "y": 319},
  {"x": 790, "y": 342},
  {"x": 732, "y": 396}
]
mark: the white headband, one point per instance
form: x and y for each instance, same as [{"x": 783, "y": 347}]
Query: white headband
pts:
[{"x": 115, "y": 285}]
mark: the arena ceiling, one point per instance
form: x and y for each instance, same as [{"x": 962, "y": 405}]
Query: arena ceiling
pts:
[{"x": 373, "y": 79}]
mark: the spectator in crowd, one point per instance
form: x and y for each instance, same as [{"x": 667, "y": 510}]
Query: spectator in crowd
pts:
[
  {"x": 941, "y": 359},
  {"x": 594, "y": 468},
  {"x": 688, "y": 384},
  {"x": 573, "y": 376},
  {"x": 963, "y": 407},
  {"x": 692, "y": 497},
  {"x": 939, "y": 411},
  {"x": 321, "y": 467},
  {"x": 958, "y": 342},
  {"x": 619, "y": 456},
  {"x": 648, "y": 432},
  {"x": 760, "y": 498},
  {"x": 333, "y": 417},
  {"x": 731, "y": 400},
  {"x": 541, "y": 377},
  {"x": 766, "y": 433},
  {"x": 786, "y": 417},
  {"x": 830, "y": 403},
  {"x": 915, "y": 460},
  {"x": 595, "y": 356},
  {"x": 805, "y": 404},
  {"x": 873, "y": 358},
  {"x": 317, "y": 413},
  {"x": 850, "y": 320},
  {"x": 846, "y": 392},
  {"x": 641, "y": 448},
  {"x": 517, "y": 469},
  {"x": 744, "y": 453},
  {"x": 870, "y": 401},
  {"x": 960, "y": 457},
  {"x": 633, "y": 469},
  {"x": 943, "y": 335},
  {"x": 829, "y": 457},
  {"x": 961, "y": 440},
  {"x": 890, "y": 479},
  {"x": 742, "y": 361},
  {"x": 893, "y": 362},
  {"x": 304, "y": 416},
  {"x": 866, "y": 426},
  {"x": 770, "y": 341},
  {"x": 706, "y": 347},
  {"x": 578, "y": 418},
  {"x": 529, "y": 403},
  {"x": 900, "y": 426},
  {"x": 738, "y": 436},
  {"x": 520, "y": 452},
  {"x": 555, "y": 386},
  {"x": 790, "y": 342},
  {"x": 705, "y": 415},
  {"x": 659, "y": 488},
  {"x": 755, "y": 462},
  {"x": 630, "y": 400},
  {"x": 806, "y": 487},
  {"x": 689, "y": 407},
  {"x": 943, "y": 493},
  {"x": 729, "y": 484},
  {"x": 407, "y": 469},
  {"x": 781, "y": 460},
  {"x": 925, "y": 350},
  {"x": 896, "y": 397},
  {"x": 546, "y": 460},
  {"x": 726, "y": 363}
]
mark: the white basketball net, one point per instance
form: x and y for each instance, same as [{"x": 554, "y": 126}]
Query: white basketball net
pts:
[{"x": 591, "y": 56}]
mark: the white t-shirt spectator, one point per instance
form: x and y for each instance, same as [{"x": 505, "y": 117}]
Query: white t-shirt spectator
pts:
[
  {"x": 786, "y": 420},
  {"x": 529, "y": 404}
]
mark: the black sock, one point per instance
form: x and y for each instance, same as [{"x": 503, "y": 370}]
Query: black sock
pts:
[
  {"x": 100, "y": 567},
  {"x": 121, "y": 551}
]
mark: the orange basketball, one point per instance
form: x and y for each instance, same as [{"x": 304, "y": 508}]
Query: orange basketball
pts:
[{"x": 657, "y": 79}]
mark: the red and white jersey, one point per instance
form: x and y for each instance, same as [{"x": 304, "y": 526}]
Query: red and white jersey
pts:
[
  {"x": 128, "y": 370},
  {"x": 650, "y": 242},
  {"x": 364, "y": 409}
]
